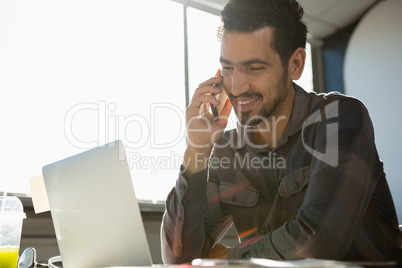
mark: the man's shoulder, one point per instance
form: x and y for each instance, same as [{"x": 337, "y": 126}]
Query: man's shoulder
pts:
[
  {"x": 335, "y": 100},
  {"x": 325, "y": 98},
  {"x": 348, "y": 111}
]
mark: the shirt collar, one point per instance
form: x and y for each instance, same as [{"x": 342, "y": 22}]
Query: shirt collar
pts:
[{"x": 300, "y": 109}]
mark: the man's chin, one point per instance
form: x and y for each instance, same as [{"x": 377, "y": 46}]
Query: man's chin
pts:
[{"x": 248, "y": 121}]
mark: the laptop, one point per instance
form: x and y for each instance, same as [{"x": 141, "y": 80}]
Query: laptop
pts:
[{"x": 95, "y": 213}]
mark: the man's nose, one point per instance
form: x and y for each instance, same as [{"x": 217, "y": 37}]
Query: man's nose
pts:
[{"x": 240, "y": 83}]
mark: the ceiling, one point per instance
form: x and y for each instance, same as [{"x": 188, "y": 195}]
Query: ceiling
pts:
[{"x": 323, "y": 17}]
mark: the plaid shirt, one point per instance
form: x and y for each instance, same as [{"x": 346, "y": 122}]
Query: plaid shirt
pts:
[{"x": 320, "y": 193}]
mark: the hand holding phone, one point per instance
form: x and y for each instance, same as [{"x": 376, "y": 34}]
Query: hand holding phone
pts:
[{"x": 222, "y": 97}]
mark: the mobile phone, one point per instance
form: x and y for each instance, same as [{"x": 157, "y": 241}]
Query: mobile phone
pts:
[{"x": 222, "y": 97}]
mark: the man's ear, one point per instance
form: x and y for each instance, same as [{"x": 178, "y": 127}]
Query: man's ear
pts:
[{"x": 296, "y": 63}]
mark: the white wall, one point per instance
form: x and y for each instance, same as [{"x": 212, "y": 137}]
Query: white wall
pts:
[{"x": 373, "y": 73}]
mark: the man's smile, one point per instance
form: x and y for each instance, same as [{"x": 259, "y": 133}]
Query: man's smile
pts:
[{"x": 246, "y": 103}]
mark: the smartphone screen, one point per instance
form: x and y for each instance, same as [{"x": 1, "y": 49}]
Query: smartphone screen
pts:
[{"x": 222, "y": 97}]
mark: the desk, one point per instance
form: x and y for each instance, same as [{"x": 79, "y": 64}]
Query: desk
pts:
[{"x": 265, "y": 263}]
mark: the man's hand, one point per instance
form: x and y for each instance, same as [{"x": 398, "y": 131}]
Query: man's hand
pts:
[
  {"x": 202, "y": 130},
  {"x": 219, "y": 251}
]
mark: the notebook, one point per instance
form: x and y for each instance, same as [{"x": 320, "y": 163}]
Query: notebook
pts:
[{"x": 95, "y": 213}]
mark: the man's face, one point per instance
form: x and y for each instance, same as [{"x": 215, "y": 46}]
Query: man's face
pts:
[{"x": 253, "y": 75}]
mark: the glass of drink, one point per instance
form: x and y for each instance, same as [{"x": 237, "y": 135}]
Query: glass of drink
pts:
[{"x": 11, "y": 216}]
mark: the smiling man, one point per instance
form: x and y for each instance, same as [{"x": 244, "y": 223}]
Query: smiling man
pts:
[{"x": 299, "y": 178}]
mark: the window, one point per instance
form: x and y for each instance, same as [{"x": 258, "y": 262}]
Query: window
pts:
[
  {"x": 78, "y": 74},
  {"x": 306, "y": 80}
]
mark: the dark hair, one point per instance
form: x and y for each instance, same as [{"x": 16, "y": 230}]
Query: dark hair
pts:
[{"x": 284, "y": 16}]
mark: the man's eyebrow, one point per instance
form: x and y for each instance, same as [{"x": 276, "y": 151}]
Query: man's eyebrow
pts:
[
  {"x": 246, "y": 62},
  {"x": 255, "y": 61},
  {"x": 223, "y": 60}
]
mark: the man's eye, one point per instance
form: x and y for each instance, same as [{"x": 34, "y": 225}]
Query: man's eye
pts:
[
  {"x": 257, "y": 68},
  {"x": 227, "y": 68}
]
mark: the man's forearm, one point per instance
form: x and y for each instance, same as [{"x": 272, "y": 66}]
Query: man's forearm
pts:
[{"x": 183, "y": 233}]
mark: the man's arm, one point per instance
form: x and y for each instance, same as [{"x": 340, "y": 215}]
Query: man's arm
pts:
[
  {"x": 194, "y": 219},
  {"x": 174, "y": 223},
  {"x": 186, "y": 226}
]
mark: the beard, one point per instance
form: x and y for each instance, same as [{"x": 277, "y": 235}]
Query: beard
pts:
[{"x": 268, "y": 108}]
